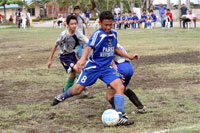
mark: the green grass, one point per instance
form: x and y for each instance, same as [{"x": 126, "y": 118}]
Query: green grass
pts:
[{"x": 168, "y": 86}]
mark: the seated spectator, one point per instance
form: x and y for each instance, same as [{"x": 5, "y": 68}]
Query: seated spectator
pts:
[
  {"x": 124, "y": 20},
  {"x": 190, "y": 17},
  {"x": 129, "y": 19},
  {"x": 153, "y": 17},
  {"x": 143, "y": 18},
  {"x": 11, "y": 19},
  {"x": 148, "y": 21},
  {"x": 169, "y": 18},
  {"x": 116, "y": 21},
  {"x": 135, "y": 20},
  {"x": 1, "y": 18},
  {"x": 120, "y": 21}
]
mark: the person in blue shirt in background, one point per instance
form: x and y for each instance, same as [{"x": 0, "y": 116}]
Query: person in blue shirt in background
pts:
[
  {"x": 161, "y": 9},
  {"x": 130, "y": 19},
  {"x": 116, "y": 21},
  {"x": 143, "y": 18},
  {"x": 153, "y": 17},
  {"x": 135, "y": 20},
  {"x": 103, "y": 42}
]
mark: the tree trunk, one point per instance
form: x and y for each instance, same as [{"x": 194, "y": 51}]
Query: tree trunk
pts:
[
  {"x": 4, "y": 8},
  {"x": 147, "y": 4},
  {"x": 179, "y": 7},
  {"x": 188, "y": 4},
  {"x": 168, "y": 4}
]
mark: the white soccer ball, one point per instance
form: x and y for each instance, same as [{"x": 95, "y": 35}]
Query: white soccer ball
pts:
[{"x": 110, "y": 117}]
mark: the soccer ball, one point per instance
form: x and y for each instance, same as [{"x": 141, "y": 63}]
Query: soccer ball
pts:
[{"x": 110, "y": 117}]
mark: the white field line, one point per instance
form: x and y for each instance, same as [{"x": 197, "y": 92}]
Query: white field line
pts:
[{"x": 197, "y": 126}]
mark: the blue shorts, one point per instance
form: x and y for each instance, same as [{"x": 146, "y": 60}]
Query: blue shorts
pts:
[
  {"x": 126, "y": 70},
  {"x": 90, "y": 74},
  {"x": 68, "y": 61}
]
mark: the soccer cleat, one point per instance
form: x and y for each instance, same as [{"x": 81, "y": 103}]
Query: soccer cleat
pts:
[
  {"x": 123, "y": 120},
  {"x": 57, "y": 100},
  {"x": 85, "y": 92},
  {"x": 140, "y": 111}
]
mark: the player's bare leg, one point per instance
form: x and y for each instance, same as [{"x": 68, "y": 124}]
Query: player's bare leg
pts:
[{"x": 72, "y": 91}]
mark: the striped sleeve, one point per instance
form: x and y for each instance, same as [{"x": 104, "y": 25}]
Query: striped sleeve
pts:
[{"x": 94, "y": 39}]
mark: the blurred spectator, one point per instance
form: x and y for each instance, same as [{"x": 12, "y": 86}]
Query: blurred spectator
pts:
[
  {"x": 28, "y": 17},
  {"x": 149, "y": 21},
  {"x": 1, "y": 18},
  {"x": 11, "y": 19},
  {"x": 117, "y": 10},
  {"x": 60, "y": 20},
  {"x": 143, "y": 19},
  {"x": 129, "y": 19},
  {"x": 19, "y": 15},
  {"x": 154, "y": 18},
  {"x": 136, "y": 21},
  {"x": 183, "y": 9},
  {"x": 190, "y": 17},
  {"x": 87, "y": 14},
  {"x": 169, "y": 18},
  {"x": 124, "y": 20},
  {"x": 161, "y": 9}
]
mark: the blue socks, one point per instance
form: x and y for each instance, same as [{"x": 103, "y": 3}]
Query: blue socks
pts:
[
  {"x": 66, "y": 94},
  {"x": 119, "y": 102}
]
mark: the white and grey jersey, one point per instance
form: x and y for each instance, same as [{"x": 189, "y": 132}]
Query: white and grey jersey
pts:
[
  {"x": 80, "y": 26},
  {"x": 68, "y": 42},
  {"x": 119, "y": 59}
]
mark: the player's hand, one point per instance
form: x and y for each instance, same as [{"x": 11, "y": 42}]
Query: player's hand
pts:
[
  {"x": 135, "y": 56},
  {"x": 80, "y": 64},
  {"x": 49, "y": 63}
]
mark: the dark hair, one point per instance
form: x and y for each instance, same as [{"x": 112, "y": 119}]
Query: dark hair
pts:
[
  {"x": 70, "y": 17},
  {"x": 106, "y": 15},
  {"x": 144, "y": 10},
  {"x": 77, "y": 7},
  {"x": 115, "y": 14},
  {"x": 129, "y": 12},
  {"x": 151, "y": 10}
]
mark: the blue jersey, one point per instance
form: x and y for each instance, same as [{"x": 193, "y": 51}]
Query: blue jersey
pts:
[
  {"x": 129, "y": 18},
  {"x": 154, "y": 17},
  {"x": 135, "y": 18},
  {"x": 143, "y": 16},
  {"x": 123, "y": 18},
  {"x": 103, "y": 46},
  {"x": 115, "y": 19}
]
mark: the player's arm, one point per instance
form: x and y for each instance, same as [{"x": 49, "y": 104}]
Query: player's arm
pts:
[
  {"x": 114, "y": 65},
  {"x": 51, "y": 55},
  {"x": 84, "y": 56},
  {"x": 121, "y": 53}
]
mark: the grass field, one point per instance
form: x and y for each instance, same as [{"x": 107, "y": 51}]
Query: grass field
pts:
[{"x": 166, "y": 79}]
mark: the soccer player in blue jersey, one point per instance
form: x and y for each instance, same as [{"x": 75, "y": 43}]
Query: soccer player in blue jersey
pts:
[
  {"x": 103, "y": 42},
  {"x": 143, "y": 18},
  {"x": 130, "y": 19},
  {"x": 123, "y": 66},
  {"x": 124, "y": 20},
  {"x": 135, "y": 20}
]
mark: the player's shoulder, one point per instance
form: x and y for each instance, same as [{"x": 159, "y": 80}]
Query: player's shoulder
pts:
[{"x": 63, "y": 32}]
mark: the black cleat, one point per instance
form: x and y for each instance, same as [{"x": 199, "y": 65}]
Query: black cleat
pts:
[
  {"x": 57, "y": 100},
  {"x": 124, "y": 121}
]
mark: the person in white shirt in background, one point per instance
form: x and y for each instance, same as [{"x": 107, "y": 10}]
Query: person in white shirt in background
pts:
[
  {"x": 117, "y": 10},
  {"x": 60, "y": 21},
  {"x": 28, "y": 17}
]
